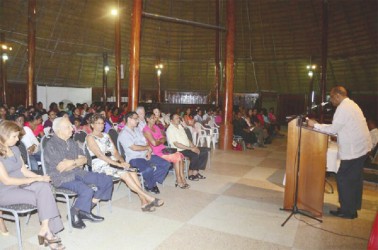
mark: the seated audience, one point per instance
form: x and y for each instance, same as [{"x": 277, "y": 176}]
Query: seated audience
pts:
[
  {"x": 76, "y": 113},
  {"x": 19, "y": 185},
  {"x": 156, "y": 140},
  {"x": 121, "y": 125},
  {"x": 106, "y": 159},
  {"x": 178, "y": 139},
  {"x": 218, "y": 117},
  {"x": 77, "y": 125},
  {"x": 35, "y": 124},
  {"x": 85, "y": 124},
  {"x": 159, "y": 120},
  {"x": 108, "y": 123},
  {"x": 51, "y": 116},
  {"x": 188, "y": 117},
  {"x": 242, "y": 129},
  {"x": 31, "y": 143},
  {"x": 11, "y": 113},
  {"x": 198, "y": 116},
  {"x": 258, "y": 127},
  {"x": 138, "y": 153},
  {"x": 3, "y": 114},
  {"x": 64, "y": 161},
  {"x": 141, "y": 113}
]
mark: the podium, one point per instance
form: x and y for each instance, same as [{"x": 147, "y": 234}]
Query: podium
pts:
[{"x": 312, "y": 168}]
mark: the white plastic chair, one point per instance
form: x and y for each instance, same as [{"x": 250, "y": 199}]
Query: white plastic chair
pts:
[
  {"x": 215, "y": 129},
  {"x": 202, "y": 133}
]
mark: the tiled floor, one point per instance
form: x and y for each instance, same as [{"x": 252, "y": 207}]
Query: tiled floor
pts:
[{"x": 236, "y": 207}]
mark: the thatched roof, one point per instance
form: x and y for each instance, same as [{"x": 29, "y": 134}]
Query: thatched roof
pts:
[{"x": 275, "y": 40}]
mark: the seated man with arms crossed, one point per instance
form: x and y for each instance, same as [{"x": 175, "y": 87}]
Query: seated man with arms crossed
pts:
[
  {"x": 138, "y": 154},
  {"x": 64, "y": 161}
]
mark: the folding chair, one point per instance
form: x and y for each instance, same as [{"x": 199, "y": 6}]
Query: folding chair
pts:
[{"x": 16, "y": 210}]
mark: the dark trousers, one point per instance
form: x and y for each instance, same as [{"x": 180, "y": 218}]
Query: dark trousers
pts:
[
  {"x": 197, "y": 161},
  {"x": 154, "y": 170},
  {"x": 350, "y": 184},
  {"x": 85, "y": 194}
]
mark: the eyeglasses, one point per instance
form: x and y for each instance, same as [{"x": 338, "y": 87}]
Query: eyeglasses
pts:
[{"x": 100, "y": 123}]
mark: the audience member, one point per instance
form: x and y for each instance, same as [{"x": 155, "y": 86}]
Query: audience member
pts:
[
  {"x": 64, "y": 161},
  {"x": 178, "y": 139},
  {"x": 156, "y": 140},
  {"x": 106, "y": 159},
  {"x": 19, "y": 185},
  {"x": 242, "y": 129},
  {"x": 138, "y": 153},
  {"x": 141, "y": 113},
  {"x": 51, "y": 116},
  {"x": 188, "y": 117},
  {"x": 35, "y": 124}
]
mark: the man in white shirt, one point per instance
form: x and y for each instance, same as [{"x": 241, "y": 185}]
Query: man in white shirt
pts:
[
  {"x": 177, "y": 137},
  {"x": 354, "y": 143}
]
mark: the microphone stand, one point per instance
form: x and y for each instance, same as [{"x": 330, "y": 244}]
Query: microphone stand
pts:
[{"x": 295, "y": 209}]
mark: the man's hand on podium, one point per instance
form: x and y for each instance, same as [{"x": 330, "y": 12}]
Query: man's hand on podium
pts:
[{"x": 311, "y": 122}]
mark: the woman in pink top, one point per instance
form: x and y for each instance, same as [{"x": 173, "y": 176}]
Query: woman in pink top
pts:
[{"x": 156, "y": 140}]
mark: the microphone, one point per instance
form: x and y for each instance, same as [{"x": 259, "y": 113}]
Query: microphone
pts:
[{"x": 321, "y": 104}]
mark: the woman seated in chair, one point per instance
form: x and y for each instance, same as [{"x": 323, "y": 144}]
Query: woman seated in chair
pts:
[
  {"x": 106, "y": 159},
  {"x": 156, "y": 140},
  {"x": 19, "y": 185}
]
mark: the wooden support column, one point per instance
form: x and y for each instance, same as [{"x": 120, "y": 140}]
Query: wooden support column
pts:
[
  {"x": 105, "y": 68},
  {"x": 134, "y": 55},
  {"x": 226, "y": 129},
  {"x": 3, "y": 72},
  {"x": 217, "y": 55},
  {"x": 32, "y": 12},
  {"x": 323, "y": 81},
  {"x": 117, "y": 47}
]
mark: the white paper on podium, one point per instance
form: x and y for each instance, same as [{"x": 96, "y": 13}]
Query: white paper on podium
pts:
[{"x": 333, "y": 161}]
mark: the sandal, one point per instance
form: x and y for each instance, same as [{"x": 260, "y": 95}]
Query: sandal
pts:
[
  {"x": 200, "y": 176},
  {"x": 54, "y": 243},
  {"x": 193, "y": 177},
  {"x": 182, "y": 185},
  {"x": 149, "y": 207},
  {"x": 157, "y": 202}
]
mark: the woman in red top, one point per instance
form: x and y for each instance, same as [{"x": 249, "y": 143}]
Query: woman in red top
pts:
[
  {"x": 156, "y": 140},
  {"x": 35, "y": 124}
]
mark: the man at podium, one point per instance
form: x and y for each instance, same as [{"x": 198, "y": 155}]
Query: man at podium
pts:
[{"x": 354, "y": 143}]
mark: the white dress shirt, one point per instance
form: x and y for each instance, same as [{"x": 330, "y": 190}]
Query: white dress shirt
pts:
[{"x": 350, "y": 126}]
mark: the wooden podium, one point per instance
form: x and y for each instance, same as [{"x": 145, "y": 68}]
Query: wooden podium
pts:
[{"x": 312, "y": 168}]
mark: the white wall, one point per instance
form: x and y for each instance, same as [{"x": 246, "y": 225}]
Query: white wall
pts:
[{"x": 47, "y": 95}]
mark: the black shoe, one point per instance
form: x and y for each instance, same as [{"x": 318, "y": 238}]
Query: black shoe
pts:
[
  {"x": 193, "y": 177},
  {"x": 89, "y": 216},
  {"x": 152, "y": 190},
  {"x": 340, "y": 214},
  {"x": 77, "y": 222},
  {"x": 155, "y": 190}
]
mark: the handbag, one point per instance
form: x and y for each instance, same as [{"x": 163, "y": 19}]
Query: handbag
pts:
[{"x": 168, "y": 151}]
